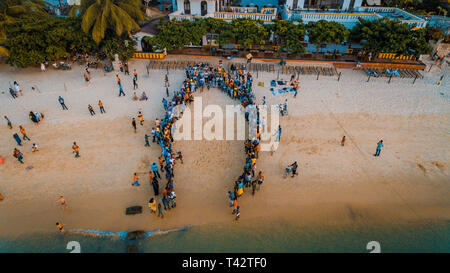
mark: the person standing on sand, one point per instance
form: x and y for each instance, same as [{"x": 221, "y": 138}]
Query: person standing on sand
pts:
[
  {"x": 147, "y": 144},
  {"x": 136, "y": 180},
  {"x": 133, "y": 123},
  {"x": 17, "y": 138},
  {"x": 100, "y": 104},
  {"x": 167, "y": 91},
  {"x": 141, "y": 118},
  {"x": 379, "y": 146},
  {"x": 76, "y": 150},
  {"x": 91, "y": 110},
  {"x": 8, "y": 122},
  {"x": 152, "y": 205},
  {"x": 155, "y": 186},
  {"x": 343, "y": 141},
  {"x": 234, "y": 205},
  {"x": 127, "y": 72},
  {"x": 22, "y": 130},
  {"x": 63, "y": 202},
  {"x": 60, "y": 227},
  {"x": 63, "y": 105},
  {"x": 166, "y": 81},
  {"x": 161, "y": 165},
  {"x": 135, "y": 75},
  {"x": 154, "y": 168}
]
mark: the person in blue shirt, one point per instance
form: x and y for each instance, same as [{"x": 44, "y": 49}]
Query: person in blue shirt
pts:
[
  {"x": 379, "y": 146},
  {"x": 61, "y": 101},
  {"x": 154, "y": 169}
]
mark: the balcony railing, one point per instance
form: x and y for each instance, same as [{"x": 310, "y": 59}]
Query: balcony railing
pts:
[{"x": 235, "y": 15}]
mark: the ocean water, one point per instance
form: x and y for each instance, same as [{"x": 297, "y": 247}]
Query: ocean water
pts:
[{"x": 241, "y": 237}]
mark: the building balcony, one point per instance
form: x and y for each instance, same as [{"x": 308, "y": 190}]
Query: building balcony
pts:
[
  {"x": 350, "y": 19},
  {"x": 265, "y": 14}
]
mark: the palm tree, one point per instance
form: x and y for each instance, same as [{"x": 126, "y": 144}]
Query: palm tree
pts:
[
  {"x": 122, "y": 16},
  {"x": 13, "y": 10}
]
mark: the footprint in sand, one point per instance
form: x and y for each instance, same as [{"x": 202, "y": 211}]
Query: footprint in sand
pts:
[
  {"x": 439, "y": 165},
  {"x": 422, "y": 168}
]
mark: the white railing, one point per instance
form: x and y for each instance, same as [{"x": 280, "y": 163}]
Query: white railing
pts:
[
  {"x": 235, "y": 15},
  {"x": 179, "y": 16},
  {"x": 336, "y": 17},
  {"x": 376, "y": 9}
]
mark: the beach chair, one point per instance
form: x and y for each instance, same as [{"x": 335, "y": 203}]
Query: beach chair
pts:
[
  {"x": 271, "y": 68},
  {"x": 283, "y": 69},
  {"x": 265, "y": 68}
]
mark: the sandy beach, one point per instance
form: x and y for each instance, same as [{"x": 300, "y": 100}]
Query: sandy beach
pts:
[{"x": 335, "y": 186}]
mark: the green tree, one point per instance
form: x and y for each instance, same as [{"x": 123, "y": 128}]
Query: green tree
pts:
[
  {"x": 390, "y": 36},
  {"x": 291, "y": 35},
  {"x": 122, "y": 16},
  {"x": 31, "y": 41},
  {"x": 13, "y": 10},
  {"x": 327, "y": 32},
  {"x": 248, "y": 32}
]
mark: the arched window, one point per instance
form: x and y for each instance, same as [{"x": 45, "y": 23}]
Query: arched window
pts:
[
  {"x": 187, "y": 7},
  {"x": 204, "y": 8}
]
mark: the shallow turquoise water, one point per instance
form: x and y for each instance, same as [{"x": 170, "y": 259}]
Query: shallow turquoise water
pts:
[{"x": 279, "y": 237}]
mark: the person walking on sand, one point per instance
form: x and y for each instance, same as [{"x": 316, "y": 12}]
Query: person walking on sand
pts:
[
  {"x": 17, "y": 138},
  {"x": 166, "y": 81},
  {"x": 379, "y": 146},
  {"x": 102, "y": 109},
  {"x": 278, "y": 133},
  {"x": 135, "y": 75},
  {"x": 118, "y": 79},
  {"x": 141, "y": 118},
  {"x": 136, "y": 180},
  {"x": 18, "y": 154},
  {"x": 91, "y": 110},
  {"x": 154, "y": 169},
  {"x": 121, "y": 90},
  {"x": 63, "y": 105},
  {"x": 160, "y": 211},
  {"x": 86, "y": 78},
  {"x": 63, "y": 202},
  {"x": 152, "y": 205},
  {"x": 8, "y": 122},
  {"x": 76, "y": 149},
  {"x": 127, "y": 72},
  {"x": 167, "y": 91},
  {"x": 135, "y": 85},
  {"x": 343, "y": 141},
  {"x": 133, "y": 123},
  {"x": 22, "y": 130},
  {"x": 60, "y": 227},
  {"x": 238, "y": 213}
]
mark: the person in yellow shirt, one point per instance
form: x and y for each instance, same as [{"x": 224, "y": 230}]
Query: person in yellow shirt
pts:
[
  {"x": 141, "y": 118},
  {"x": 152, "y": 205}
]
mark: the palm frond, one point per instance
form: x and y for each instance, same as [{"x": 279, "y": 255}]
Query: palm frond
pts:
[{"x": 90, "y": 17}]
